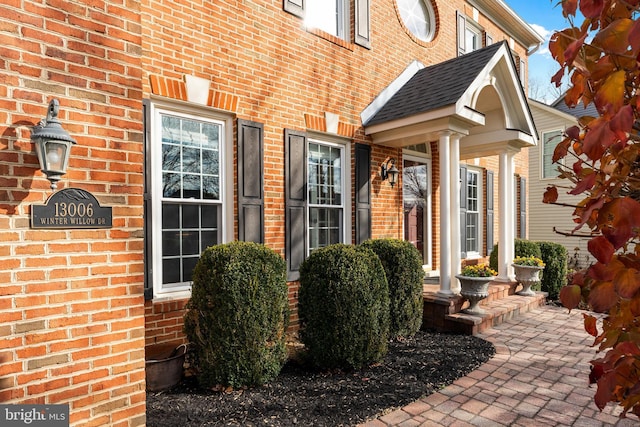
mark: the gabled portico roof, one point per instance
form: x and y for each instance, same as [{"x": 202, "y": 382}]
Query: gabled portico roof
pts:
[{"x": 477, "y": 95}]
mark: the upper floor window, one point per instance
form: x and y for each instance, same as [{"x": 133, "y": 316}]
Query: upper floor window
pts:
[
  {"x": 331, "y": 16},
  {"x": 334, "y": 17},
  {"x": 471, "y": 36},
  {"x": 549, "y": 142},
  {"x": 418, "y": 17}
]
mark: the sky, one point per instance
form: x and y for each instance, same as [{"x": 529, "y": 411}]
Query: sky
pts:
[{"x": 545, "y": 18}]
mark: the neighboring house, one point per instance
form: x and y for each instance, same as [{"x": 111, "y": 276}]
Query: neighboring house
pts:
[
  {"x": 268, "y": 121},
  {"x": 549, "y": 222}
]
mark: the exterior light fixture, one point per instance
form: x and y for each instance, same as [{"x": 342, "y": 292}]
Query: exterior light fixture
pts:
[
  {"x": 53, "y": 145},
  {"x": 390, "y": 172}
]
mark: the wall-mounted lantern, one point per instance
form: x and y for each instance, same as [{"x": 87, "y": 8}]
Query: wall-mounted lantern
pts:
[
  {"x": 390, "y": 172},
  {"x": 53, "y": 145}
]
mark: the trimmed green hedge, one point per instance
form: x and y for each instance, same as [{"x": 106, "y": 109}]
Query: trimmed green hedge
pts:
[
  {"x": 402, "y": 264},
  {"x": 523, "y": 248},
  {"x": 343, "y": 305},
  {"x": 554, "y": 277},
  {"x": 237, "y": 315}
]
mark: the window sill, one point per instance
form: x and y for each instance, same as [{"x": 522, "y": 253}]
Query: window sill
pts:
[{"x": 171, "y": 296}]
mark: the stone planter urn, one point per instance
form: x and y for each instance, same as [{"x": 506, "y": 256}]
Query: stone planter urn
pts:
[
  {"x": 527, "y": 276},
  {"x": 474, "y": 289}
]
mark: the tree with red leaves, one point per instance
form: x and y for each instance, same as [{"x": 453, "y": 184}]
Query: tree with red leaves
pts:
[{"x": 601, "y": 57}]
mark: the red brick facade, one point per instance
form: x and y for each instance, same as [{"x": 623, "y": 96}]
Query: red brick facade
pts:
[{"x": 73, "y": 320}]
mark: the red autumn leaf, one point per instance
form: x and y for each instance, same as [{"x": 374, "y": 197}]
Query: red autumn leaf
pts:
[
  {"x": 601, "y": 249},
  {"x": 573, "y": 48},
  {"x": 570, "y": 296},
  {"x": 597, "y": 138},
  {"x": 590, "y": 325},
  {"x": 602, "y": 297},
  {"x": 610, "y": 96},
  {"x": 584, "y": 184},
  {"x": 627, "y": 282},
  {"x": 623, "y": 217},
  {"x": 561, "y": 150},
  {"x": 577, "y": 166},
  {"x": 628, "y": 348},
  {"x": 596, "y": 372},
  {"x": 604, "y": 272},
  {"x": 550, "y": 195},
  {"x": 591, "y": 8},
  {"x": 622, "y": 123},
  {"x": 573, "y": 132},
  {"x": 634, "y": 36},
  {"x": 606, "y": 385},
  {"x": 569, "y": 7},
  {"x": 614, "y": 38}
]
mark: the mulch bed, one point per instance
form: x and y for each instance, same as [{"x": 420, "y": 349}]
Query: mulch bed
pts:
[{"x": 299, "y": 396}]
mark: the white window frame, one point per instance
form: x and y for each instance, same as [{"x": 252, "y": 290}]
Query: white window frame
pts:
[
  {"x": 426, "y": 159},
  {"x": 345, "y": 180},
  {"x": 480, "y": 224},
  {"x": 431, "y": 16},
  {"x": 157, "y": 107},
  {"x": 543, "y": 140},
  {"x": 470, "y": 28},
  {"x": 343, "y": 19}
]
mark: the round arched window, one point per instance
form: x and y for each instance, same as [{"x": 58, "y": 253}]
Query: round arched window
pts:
[{"x": 418, "y": 17}]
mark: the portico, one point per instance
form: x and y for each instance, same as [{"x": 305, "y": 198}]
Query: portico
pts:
[{"x": 473, "y": 106}]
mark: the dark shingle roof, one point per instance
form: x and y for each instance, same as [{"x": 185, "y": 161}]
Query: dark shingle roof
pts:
[
  {"x": 435, "y": 86},
  {"x": 579, "y": 111}
]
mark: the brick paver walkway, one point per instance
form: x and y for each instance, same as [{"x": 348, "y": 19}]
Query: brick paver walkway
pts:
[{"x": 538, "y": 377}]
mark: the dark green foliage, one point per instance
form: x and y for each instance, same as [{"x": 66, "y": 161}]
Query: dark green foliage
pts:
[
  {"x": 523, "y": 248},
  {"x": 402, "y": 264},
  {"x": 343, "y": 307},
  {"x": 237, "y": 315},
  {"x": 554, "y": 277}
]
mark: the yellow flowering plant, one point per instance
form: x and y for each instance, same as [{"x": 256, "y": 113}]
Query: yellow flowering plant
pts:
[
  {"x": 479, "y": 270},
  {"x": 529, "y": 261}
]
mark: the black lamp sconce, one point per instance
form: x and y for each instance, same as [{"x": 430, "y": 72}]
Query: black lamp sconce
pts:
[
  {"x": 389, "y": 171},
  {"x": 53, "y": 145}
]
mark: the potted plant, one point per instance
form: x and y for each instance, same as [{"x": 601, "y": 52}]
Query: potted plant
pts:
[
  {"x": 474, "y": 283},
  {"x": 527, "y": 271}
]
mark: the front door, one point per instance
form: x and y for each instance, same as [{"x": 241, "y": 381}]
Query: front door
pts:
[{"x": 417, "y": 205}]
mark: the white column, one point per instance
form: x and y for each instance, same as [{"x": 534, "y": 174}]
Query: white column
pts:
[
  {"x": 444, "y": 151},
  {"x": 454, "y": 176},
  {"x": 506, "y": 227}
]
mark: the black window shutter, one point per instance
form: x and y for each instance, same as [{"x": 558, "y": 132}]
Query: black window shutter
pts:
[
  {"x": 523, "y": 208},
  {"x": 489, "y": 212},
  {"x": 462, "y": 24},
  {"x": 363, "y": 193},
  {"x": 148, "y": 244},
  {"x": 295, "y": 153},
  {"x": 363, "y": 23},
  {"x": 463, "y": 211},
  {"x": 295, "y": 7},
  {"x": 250, "y": 181}
]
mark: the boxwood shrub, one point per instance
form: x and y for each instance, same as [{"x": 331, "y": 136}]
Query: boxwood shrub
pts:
[
  {"x": 554, "y": 276},
  {"x": 237, "y": 315},
  {"x": 343, "y": 305},
  {"x": 402, "y": 264},
  {"x": 523, "y": 248}
]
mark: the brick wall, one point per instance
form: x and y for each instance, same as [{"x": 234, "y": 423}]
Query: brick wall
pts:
[{"x": 71, "y": 300}]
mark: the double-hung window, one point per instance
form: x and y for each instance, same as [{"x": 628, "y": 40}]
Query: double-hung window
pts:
[
  {"x": 326, "y": 194},
  {"x": 549, "y": 142},
  {"x": 470, "y": 35},
  {"x": 188, "y": 213},
  {"x": 473, "y": 212}
]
